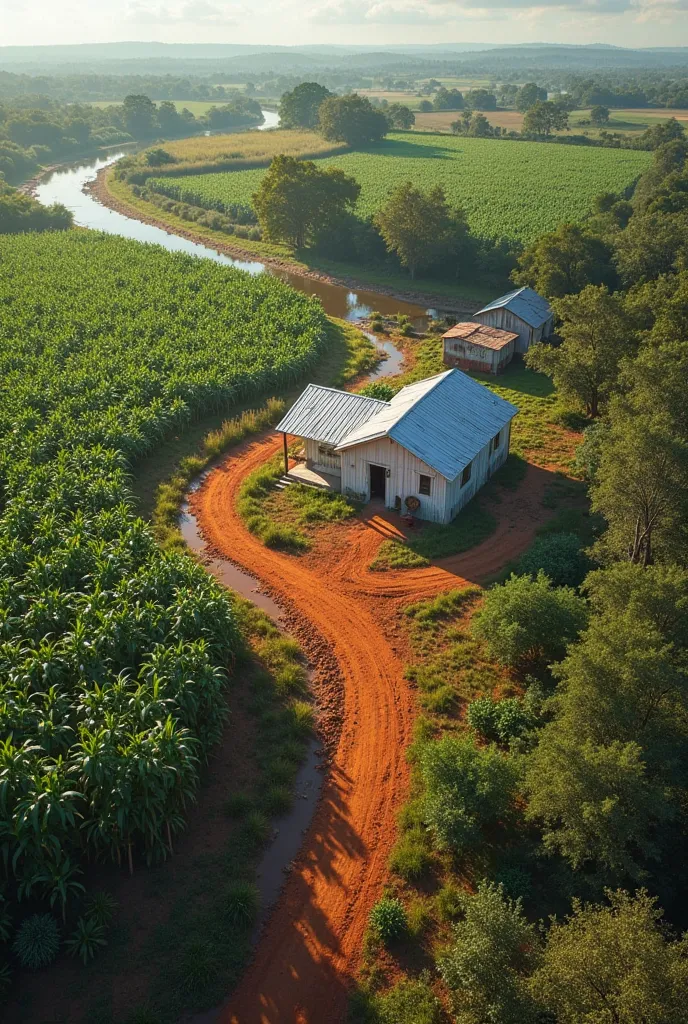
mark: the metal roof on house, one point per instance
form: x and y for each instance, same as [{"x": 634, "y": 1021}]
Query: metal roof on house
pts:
[
  {"x": 444, "y": 421},
  {"x": 482, "y": 335},
  {"x": 328, "y": 415},
  {"x": 524, "y": 303}
]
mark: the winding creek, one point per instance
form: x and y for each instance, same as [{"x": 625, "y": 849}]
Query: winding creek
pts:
[{"x": 66, "y": 186}]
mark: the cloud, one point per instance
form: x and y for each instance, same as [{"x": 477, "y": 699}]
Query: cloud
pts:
[
  {"x": 429, "y": 12},
  {"x": 195, "y": 12}
]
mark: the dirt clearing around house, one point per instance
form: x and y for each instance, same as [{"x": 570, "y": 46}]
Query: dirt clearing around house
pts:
[{"x": 311, "y": 948}]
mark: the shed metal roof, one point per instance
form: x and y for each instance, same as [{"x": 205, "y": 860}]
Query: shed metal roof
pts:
[
  {"x": 328, "y": 415},
  {"x": 523, "y": 303},
  {"x": 444, "y": 421},
  {"x": 482, "y": 335}
]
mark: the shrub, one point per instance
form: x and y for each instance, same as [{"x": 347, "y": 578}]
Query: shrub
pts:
[
  {"x": 242, "y": 901},
  {"x": 87, "y": 939},
  {"x": 409, "y": 1002},
  {"x": 527, "y": 621},
  {"x": 559, "y": 556},
  {"x": 500, "y": 719},
  {"x": 378, "y": 389},
  {"x": 197, "y": 966},
  {"x": 409, "y": 858},
  {"x": 467, "y": 789},
  {"x": 238, "y": 805},
  {"x": 388, "y": 919},
  {"x": 100, "y": 907},
  {"x": 37, "y": 941},
  {"x": 449, "y": 902}
]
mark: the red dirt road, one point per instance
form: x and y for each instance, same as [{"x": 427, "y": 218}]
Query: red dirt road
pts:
[{"x": 309, "y": 951}]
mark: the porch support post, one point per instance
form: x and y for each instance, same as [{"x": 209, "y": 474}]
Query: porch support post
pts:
[{"x": 286, "y": 453}]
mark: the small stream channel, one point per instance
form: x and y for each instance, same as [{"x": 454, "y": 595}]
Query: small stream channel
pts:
[{"x": 66, "y": 186}]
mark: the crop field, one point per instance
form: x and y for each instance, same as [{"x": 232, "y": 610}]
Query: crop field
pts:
[
  {"x": 241, "y": 148},
  {"x": 625, "y": 122},
  {"x": 508, "y": 189},
  {"x": 114, "y": 656}
]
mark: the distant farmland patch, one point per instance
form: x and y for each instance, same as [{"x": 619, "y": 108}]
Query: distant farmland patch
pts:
[{"x": 509, "y": 189}]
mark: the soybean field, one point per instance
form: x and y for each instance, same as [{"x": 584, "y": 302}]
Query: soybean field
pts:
[
  {"x": 114, "y": 657},
  {"x": 509, "y": 189}
]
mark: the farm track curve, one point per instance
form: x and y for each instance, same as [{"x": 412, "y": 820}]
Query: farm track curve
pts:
[{"x": 309, "y": 951}]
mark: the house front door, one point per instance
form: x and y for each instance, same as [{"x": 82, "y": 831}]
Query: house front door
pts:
[{"x": 378, "y": 482}]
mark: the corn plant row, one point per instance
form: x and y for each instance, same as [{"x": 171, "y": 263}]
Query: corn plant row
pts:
[{"x": 114, "y": 657}]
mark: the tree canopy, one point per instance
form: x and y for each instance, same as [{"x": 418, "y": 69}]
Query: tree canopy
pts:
[
  {"x": 297, "y": 200},
  {"x": 352, "y": 119},
  {"x": 300, "y": 107}
]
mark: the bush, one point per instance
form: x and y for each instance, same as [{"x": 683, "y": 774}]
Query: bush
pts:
[
  {"x": 378, "y": 389},
  {"x": 87, "y": 939},
  {"x": 37, "y": 941},
  {"x": 409, "y": 1002},
  {"x": 409, "y": 859},
  {"x": 468, "y": 788},
  {"x": 559, "y": 556},
  {"x": 197, "y": 966},
  {"x": 527, "y": 621},
  {"x": 500, "y": 720},
  {"x": 242, "y": 901},
  {"x": 388, "y": 919},
  {"x": 101, "y": 907}
]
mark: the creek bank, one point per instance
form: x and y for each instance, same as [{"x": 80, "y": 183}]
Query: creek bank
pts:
[{"x": 98, "y": 189}]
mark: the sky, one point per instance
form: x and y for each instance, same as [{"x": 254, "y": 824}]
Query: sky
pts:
[{"x": 294, "y": 22}]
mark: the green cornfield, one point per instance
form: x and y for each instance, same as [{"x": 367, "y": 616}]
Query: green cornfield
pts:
[
  {"x": 114, "y": 657},
  {"x": 509, "y": 189}
]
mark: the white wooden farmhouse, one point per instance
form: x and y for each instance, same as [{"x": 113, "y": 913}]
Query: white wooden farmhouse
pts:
[
  {"x": 522, "y": 311},
  {"x": 438, "y": 440}
]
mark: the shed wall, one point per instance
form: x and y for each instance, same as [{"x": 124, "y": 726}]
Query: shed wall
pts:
[
  {"x": 507, "y": 321},
  {"x": 476, "y": 357},
  {"x": 484, "y": 465},
  {"x": 403, "y": 480},
  {"x": 321, "y": 459}
]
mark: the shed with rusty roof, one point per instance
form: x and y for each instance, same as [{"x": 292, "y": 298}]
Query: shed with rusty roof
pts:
[
  {"x": 522, "y": 311},
  {"x": 475, "y": 346}
]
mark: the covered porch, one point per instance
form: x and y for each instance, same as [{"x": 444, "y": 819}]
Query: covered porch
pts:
[{"x": 301, "y": 474}]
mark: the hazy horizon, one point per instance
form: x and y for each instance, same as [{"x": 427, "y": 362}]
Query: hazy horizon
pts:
[{"x": 630, "y": 23}]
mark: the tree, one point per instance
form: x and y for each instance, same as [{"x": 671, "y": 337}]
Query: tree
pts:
[
  {"x": 641, "y": 487},
  {"x": 399, "y": 116},
  {"x": 351, "y": 119},
  {"x": 599, "y": 114},
  {"x": 545, "y": 118},
  {"x": 425, "y": 106},
  {"x": 527, "y": 623},
  {"x": 139, "y": 116},
  {"x": 448, "y": 99},
  {"x": 596, "y": 335},
  {"x": 467, "y": 789},
  {"x": 170, "y": 120},
  {"x": 607, "y": 774},
  {"x": 419, "y": 227},
  {"x": 487, "y": 964},
  {"x": 480, "y": 99},
  {"x": 528, "y": 95},
  {"x": 614, "y": 964},
  {"x": 565, "y": 261},
  {"x": 297, "y": 200},
  {"x": 652, "y": 244},
  {"x": 299, "y": 108}
]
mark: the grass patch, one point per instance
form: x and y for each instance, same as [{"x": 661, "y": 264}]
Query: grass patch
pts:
[
  {"x": 473, "y": 524},
  {"x": 278, "y": 518},
  {"x": 170, "y": 494}
]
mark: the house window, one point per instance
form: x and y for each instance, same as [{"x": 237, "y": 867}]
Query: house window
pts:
[
  {"x": 424, "y": 484},
  {"x": 466, "y": 475},
  {"x": 496, "y": 441}
]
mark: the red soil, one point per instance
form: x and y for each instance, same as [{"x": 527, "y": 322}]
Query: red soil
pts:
[{"x": 310, "y": 949}]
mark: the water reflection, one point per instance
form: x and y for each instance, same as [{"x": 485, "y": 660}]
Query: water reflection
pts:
[{"x": 66, "y": 185}]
